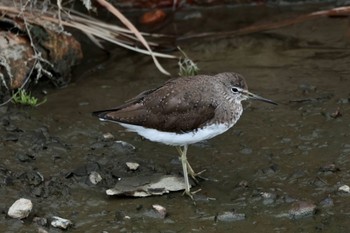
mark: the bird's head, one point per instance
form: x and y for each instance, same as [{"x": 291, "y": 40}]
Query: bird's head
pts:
[{"x": 238, "y": 88}]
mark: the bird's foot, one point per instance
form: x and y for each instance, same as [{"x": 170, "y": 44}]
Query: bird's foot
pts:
[
  {"x": 196, "y": 175},
  {"x": 190, "y": 194}
]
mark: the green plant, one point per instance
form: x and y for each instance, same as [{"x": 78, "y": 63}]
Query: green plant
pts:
[
  {"x": 186, "y": 66},
  {"x": 25, "y": 98}
]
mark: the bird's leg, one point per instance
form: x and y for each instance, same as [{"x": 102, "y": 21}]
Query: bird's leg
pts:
[
  {"x": 183, "y": 154},
  {"x": 192, "y": 173}
]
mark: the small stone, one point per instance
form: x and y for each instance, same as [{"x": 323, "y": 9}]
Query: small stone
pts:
[
  {"x": 246, "y": 151},
  {"x": 306, "y": 88},
  {"x": 126, "y": 145},
  {"x": 327, "y": 202},
  {"x": 20, "y": 208},
  {"x": 83, "y": 103},
  {"x": 302, "y": 209},
  {"x": 160, "y": 210},
  {"x": 132, "y": 166},
  {"x": 230, "y": 216},
  {"x": 3, "y": 109},
  {"x": 108, "y": 136},
  {"x": 11, "y": 137},
  {"x": 243, "y": 184},
  {"x": 268, "y": 198},
  {"x": 344, "y": 188},
  {"x": 40, "y": 221},
  {"x": 273, "y": 168},
  {"x": 59, "y": 222},
  {"x": 337, "y": 113},
  {"x": 42, "y": 230},
  {"x": 329, "y": 168},
  {"x": 98, "y": 145},
  {"x": 24, "y": 157},
  {"x": 95, "y": 177},
  {"x": 344, "y": 101},
  {"x": 157, "y": 211}
]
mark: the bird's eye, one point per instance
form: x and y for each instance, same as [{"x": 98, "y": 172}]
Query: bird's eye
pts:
[{"x": 234, "y": 90}]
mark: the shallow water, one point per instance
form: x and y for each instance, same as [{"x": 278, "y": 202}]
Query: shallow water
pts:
[{"x": 272, "y": 149}]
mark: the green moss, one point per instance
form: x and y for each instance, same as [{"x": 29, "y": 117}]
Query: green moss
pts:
[{"x": 25, "y": 98}]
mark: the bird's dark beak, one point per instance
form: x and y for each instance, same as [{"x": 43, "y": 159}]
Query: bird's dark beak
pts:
[{"x": 256, "y": 97}]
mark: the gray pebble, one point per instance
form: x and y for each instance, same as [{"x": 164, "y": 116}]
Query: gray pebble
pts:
[
  {"x": 246, "y": 151},
  {"x": 59, "y": 222},
  {"x": 95, "y": 177},
  {"x": 302, "y": 209},
  {"x": 327, "y": 202},
  {"x": 230, "y": 216}
]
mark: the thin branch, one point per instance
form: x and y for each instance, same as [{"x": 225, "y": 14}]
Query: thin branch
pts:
[
  {"x": 340, "y": 11},
  {"x": 129, "y": 25}
]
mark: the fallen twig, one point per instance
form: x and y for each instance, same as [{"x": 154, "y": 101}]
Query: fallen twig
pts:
[
  {"x": 129, "y": 25},
  {"x": 259, "y": 27}
]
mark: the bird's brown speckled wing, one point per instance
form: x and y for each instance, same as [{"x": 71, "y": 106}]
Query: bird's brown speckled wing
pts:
[{"x": 174, "y": 107}]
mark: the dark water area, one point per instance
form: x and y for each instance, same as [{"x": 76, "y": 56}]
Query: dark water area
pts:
[{"x": 275, "y": 160}]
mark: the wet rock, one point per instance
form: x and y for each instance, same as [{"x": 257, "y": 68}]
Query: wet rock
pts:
[
  {"x": 3, "y": 109},
  {"x": 38, "y": 191},
  {"x": 40, "y": 221},
  {"x": 95, "y": 177},
  {"x": 297, "y": 174},
  {"x": 288, "y": 199},
  {"x": 114, "y": 146},
  {"x": 143, "y": 186},
  {"x": 268, "y": 198},
  {"x": 302, "y": 209},
  {"x": 24, "y": 158},
  {"x": 306, "y": 88},
  {"x": 33, "y": 177},
  {"x": 230, "y": 216},
  {"x": 35, "y": 140},
  {"x": 286, "y": 140},
  {"x": 344, "y": 101},
  {"x": 108, "y": 137},
  {"x": 287, "y": 151},
  {"x": 59, "y": 222},
  {"x": 246, "y": 151},
  {"x": 86, "y": 169},
  {"x": 132, "y": 166},
  {"x": 157, "y": 211},
  {"x": 42, "y": 230},
  {"x": 243, "y": 184},
  {"x": 57, "y": 147},
  {"x": 272, "y": 169},
  {"x": 125, "y": 146},
  {"x": 344, "y": 188},
  {"x": 11, "y": 137},
  {"x": 6, "y": 123},
  {"x": 98, "y": 145},
  {"x": 20, "y": 208},
  {"x": 318, "y": 182},
  {"x": 120, "y": 216},
  {"x": 199, "y": 197},
  {"x": 84, "y": 103},
  {"x": 327, "y": 202},
  {"x": 329, "y": 168}
]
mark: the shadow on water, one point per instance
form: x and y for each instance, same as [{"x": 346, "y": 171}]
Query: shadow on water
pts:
[{"x": 273, "y": 158}]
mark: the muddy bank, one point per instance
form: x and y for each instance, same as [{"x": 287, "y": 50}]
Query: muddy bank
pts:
[{"x": 280, "y": 169}]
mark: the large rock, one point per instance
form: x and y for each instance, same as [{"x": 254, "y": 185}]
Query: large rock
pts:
[{"x": 20, "y": 209}]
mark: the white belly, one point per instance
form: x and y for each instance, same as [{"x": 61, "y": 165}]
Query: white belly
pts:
[{"x": 177, "y": 139}]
